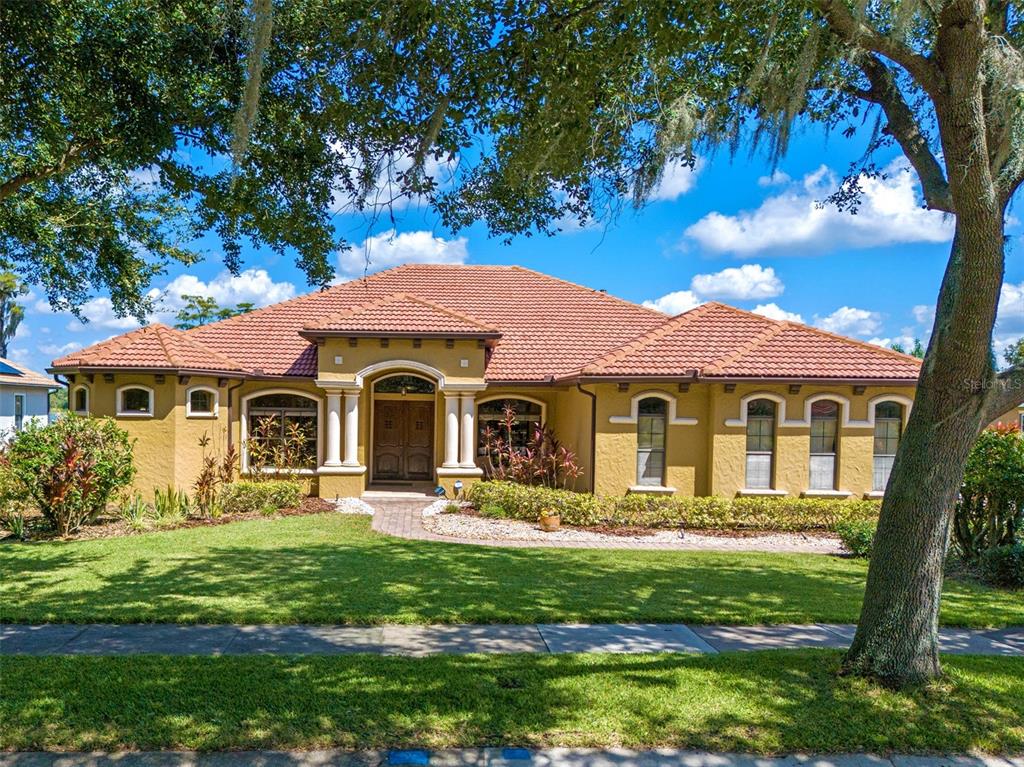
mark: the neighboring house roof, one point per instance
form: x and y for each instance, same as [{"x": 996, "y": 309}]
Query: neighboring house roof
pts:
[
  {"x": 13, "y": 374},
  {"x": 719, "y": 341},
  {"x": 154, "y": 347},
  {"x": 548, "y": 329},
  {"x": 400, "y": 314}
]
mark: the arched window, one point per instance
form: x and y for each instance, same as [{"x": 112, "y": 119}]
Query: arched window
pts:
[
  {"x": 650, "y": 441},
  {"x": 404, "y": 384},
  {"x": 824, "y": 438},
  {"x": 202, "y": 402},
  {"x": 760, "y": 443},
  {"x": 492, "y": 417},
  {"x": 283, "y": 421},
  {"x": 135, "y": 401},
  {"x": 80, "y": 400},
  {"x": 888, "y": 429}
]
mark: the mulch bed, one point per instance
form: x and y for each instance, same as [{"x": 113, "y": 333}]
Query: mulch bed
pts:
[{"x": 113, "y": 527}]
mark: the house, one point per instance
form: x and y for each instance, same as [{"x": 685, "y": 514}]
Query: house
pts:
[
  {"x": 394, "y": 377},
  {"x": 24, "y": 397}
]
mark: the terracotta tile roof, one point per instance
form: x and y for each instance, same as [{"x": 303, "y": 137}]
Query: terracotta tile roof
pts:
[
  {"x": 721, "y": 341},
  {"x": 155, "y": 347},
  {"x": 402, "y": 314},
  {"x": 550, "y": 329},
  {"x": 19, "y": 375}
]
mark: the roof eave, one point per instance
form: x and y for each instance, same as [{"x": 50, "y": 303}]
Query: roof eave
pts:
[
  {"x": 87, "y": 369},
  {"x": 685, "y": 378},
  {"x": 313, "y": 335}
]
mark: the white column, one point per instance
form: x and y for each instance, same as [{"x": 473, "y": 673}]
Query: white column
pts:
[
  {"x": 351, "y": 428},
  {"x": 333, "y": 429},
  {"x": 451, "y": 431},
  {"x": 466, "y": 459}
]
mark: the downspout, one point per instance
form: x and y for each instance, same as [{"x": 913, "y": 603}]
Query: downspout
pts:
[
  {"x": 593, "y": 434},
  {"x": 231, "y": 390}
]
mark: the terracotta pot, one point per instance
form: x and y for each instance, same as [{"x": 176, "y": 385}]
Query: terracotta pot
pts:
[{"x": 550, "y": 522}]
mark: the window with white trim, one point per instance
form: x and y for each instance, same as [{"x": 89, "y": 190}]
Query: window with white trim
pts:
[
  {"x": 888, "y": 430},
  {"x": 824, "y": 439},
  {"x": 760, "y": 444},
  {"x": 80, "y": 400},
  {"x": 511, "y": 419},
  {"x": 201, "y": 402},
  {"x": 134, "y": 401},
  {"x": 651, "y": 417},
  {"x": 19, "y": 412},
  {"x": 281, "y": 423}
]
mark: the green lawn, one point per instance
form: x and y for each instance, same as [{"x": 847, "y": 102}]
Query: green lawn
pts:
[
  {"x": 333, "y": 569},
  {"x": 780, "y": 701}
]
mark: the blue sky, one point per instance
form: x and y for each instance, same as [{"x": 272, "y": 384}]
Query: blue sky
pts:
[{"x": 732, "y": 231}]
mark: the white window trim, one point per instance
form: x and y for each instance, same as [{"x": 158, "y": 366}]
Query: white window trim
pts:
[
  {"x": 134, "y": 413},
  {"x": 188, "y": 402},
  {"x": 847, "y": 423},
  {"x": 634, "y": 410},
  {"x": 88, "y": 399},
  {"x": 502, "y": 397},
  {"x": 244, "y": 427}
]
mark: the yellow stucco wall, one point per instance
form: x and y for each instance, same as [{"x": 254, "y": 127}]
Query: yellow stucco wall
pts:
[{"x": 706, "y": 458}]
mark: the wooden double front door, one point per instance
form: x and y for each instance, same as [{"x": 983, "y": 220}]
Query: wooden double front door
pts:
[{"x": 403, "y": 439}]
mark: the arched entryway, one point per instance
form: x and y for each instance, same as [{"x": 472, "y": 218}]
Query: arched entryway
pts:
[{"x": 403, "y": 428}]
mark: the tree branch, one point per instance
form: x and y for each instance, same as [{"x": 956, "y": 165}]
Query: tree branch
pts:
[
  {"x": 73, "y": 154},
  {"x": 903, "y": 126},
  {"x": 1006, "y": 394},
  {"x": 844, "y": 24}
]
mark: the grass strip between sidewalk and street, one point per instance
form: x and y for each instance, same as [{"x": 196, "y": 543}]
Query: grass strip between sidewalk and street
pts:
[
  {"x": 764, "y": 702},
  {"x": 332, "y": 568}
]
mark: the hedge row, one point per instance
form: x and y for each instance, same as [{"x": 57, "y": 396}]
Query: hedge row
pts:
[
  {"x": 246, "y": 497},
  {"x": 507, "y": 499}
]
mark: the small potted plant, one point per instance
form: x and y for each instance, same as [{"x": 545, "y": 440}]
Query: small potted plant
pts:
[{"x": 550, "y": 520}]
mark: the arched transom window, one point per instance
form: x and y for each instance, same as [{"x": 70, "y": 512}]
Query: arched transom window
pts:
[
  {"x": 760, "y": 443},
  {"x": 888, "y": 429},
  {"x": 511, "y": 419},
  {"x": 651, "y": 417}
]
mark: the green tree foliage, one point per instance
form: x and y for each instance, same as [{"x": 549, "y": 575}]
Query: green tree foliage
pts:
[
  {"x": 71, "y": 468},
  {"x": 59, "y": 399},
  {"x": 202, "y": 310},
  {"x": 11, "y": 312},
  {"x": 917, "y": 350},
  {"x": 1015, "y": 355},
  {"x": 990, "y": 510}
]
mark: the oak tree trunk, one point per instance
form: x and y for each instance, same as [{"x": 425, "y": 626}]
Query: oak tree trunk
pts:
[{"x": 897, "y": 635}]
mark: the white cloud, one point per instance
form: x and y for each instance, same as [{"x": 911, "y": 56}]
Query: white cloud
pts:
[
  {"x": 775, "y": 312},
  {"x": 778, "y": 178},
  {"x": 924, "y": 314},
  {"x": 385, "y": 190},
  {"x": 905, "y": 341},
  {"x": 382, "y": 251},
  {"x": 676, "y": 180},
  {"x": 674, "y": 303},
  {"x": 100, "y": 314},
  {"x": 1009, "y": 318},
  {"x": 254, "y": 286},
  {"x": 750, "y": 281},
  {"x": 850, "y": 321},
  {"x": 55, "y": 350},
  {"x": 794, "y": 220}
]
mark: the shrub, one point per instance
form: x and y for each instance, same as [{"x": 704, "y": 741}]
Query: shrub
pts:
[
  {"x": 171, "y": 506},
  {"x": 857, "y": 535},
  {"x": 246, "y": 497},
  {"x": 544, "y": 460},
  {"x": 134, "y": 511},
  {"x": 990, "y": 510},
  {"x": 653, "y": 511},
  {"x": 1004, "y": 566},
  {"x": 71, "y": 468},
  {"x": 14, "y": 522}
]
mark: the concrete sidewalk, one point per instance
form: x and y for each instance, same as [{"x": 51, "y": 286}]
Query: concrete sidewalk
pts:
[
  {"x": 175, "y": 639},
  {"x": 491, "y": 757}
]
